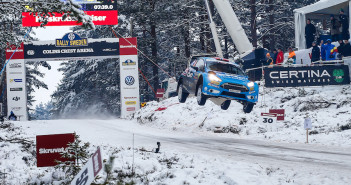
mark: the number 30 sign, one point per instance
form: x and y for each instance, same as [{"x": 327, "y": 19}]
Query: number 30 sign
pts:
[{"x": 268, "y": 118}]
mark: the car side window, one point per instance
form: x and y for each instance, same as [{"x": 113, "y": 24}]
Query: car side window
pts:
[
  {"x": 193, "y": 62},
  {"x": 200, "y": 63}
]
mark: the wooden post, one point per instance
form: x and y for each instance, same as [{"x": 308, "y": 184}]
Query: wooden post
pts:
[{"x": 306, "y": 135}]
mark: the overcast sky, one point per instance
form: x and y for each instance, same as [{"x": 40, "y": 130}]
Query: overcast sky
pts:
[{"x": 52, "y": 77}]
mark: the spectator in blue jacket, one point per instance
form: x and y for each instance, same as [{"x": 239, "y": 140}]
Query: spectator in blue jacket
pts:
[{"x": 327, "y": 51}]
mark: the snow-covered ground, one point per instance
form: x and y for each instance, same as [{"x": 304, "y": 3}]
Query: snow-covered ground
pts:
[
  {"x": 329, "y": 108},
  {"x": 185, "y": 158},
  {"x": 245, "y": 152}
]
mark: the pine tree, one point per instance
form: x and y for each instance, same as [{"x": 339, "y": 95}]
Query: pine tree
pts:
[{"x": 77, "y": 153}]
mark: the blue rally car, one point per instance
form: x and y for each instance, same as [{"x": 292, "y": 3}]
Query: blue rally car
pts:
[{"x": 218, "y": 79}]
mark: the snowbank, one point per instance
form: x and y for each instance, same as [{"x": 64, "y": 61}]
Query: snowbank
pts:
[{"x": 329, "y": 108}]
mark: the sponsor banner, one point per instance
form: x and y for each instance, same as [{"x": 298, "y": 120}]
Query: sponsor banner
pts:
[
  {"x": 102, "y": 12},
  {"x": 128, "y": 46},
  {"x": 49, "y": 148},
  {"x": 16, "y": 89},
  {"x": 90, "y": 170},
  {"x": 19, "y": 52},
  {"x": 71, "y": 46},
  {"x": 130, "y": 98},
  {"x": 306, "y": 76},
  {"x": 280, "y": 113},
  {"x": 160, "y": 93}
]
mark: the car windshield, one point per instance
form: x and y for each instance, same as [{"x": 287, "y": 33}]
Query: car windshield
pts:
[{"x": 226, "y": 68}]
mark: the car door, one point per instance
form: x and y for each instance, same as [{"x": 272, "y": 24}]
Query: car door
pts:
[
  {"x": 188, "y": 74},
  {"x": 196, "y": 74}
]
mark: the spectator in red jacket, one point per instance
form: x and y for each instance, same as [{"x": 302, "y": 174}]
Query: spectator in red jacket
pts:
[{"x": 280, "y": 57}]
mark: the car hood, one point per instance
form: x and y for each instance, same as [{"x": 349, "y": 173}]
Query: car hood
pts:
[{"x": 226, "y": 76}]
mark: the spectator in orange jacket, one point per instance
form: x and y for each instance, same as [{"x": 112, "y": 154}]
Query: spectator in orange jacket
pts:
[
  {"x": 280, "y": 57},
  {"x": 292, "y": 55}
]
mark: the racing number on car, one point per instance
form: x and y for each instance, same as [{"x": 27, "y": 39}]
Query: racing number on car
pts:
[
  {"x": 83, "y": 178},
  {"x": 267, "y": 120}
]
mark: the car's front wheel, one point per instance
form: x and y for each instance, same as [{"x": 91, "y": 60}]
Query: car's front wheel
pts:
[
  {"x": 182, "y": 95},
  {"x": 201, "y": 98},
  {"x": 247, "y": 107},
  {"x": 225, "y": 105}
]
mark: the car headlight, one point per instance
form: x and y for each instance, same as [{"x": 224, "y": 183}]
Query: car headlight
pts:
[
  {"x": 213, "y": 77},
  {"x": 251, "y": 84}
]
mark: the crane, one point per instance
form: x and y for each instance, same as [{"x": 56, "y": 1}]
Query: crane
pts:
[{"x": 250, "y": 56}]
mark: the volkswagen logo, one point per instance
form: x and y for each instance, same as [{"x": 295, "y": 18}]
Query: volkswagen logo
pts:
[{"x": 129, "y": 80}]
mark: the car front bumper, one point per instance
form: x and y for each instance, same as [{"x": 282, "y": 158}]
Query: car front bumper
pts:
[{"x": 214, "y": 90}]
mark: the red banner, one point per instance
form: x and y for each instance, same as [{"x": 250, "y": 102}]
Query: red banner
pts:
[
  {"x": 128, "y": 46},
  {"x": 19, "y": 52},
  {"x": 280, "y": 113},
  {"x": 49, "y": 148},
  {"x": 160, "y": 93},
  {"x": 99, "y": 18}
]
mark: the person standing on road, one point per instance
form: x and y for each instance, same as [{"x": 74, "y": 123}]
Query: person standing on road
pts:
[
  {"x": 280, "y": 57},
  {"x": 345, "y": 25},
  {"x": 310, "y": 31},
  {"x": 335, "y": 28},
  {"x": 316, "y": 52}
]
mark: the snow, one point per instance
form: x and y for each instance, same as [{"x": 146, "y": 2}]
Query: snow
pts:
[
  {"x": 247, "y": 152},
  {"x": 329, "y": 108}
]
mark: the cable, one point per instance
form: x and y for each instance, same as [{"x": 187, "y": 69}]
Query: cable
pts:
[
  {"x": 153, "y": 90},
  {"x": 141, "y": 52}
]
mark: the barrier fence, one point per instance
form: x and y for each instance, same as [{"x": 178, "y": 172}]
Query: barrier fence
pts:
[{"x": 294, "y": 75}]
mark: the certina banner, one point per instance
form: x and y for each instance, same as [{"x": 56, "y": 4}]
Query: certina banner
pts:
[
  {"x": 306, "y": 76},
  {"x": 49, "y": 148},
  {"x": 72, "y": 46},
  {"x": 102, "y": 12}
]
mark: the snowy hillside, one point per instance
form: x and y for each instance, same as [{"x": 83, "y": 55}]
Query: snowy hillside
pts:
[{"x": 329, "y": 108}]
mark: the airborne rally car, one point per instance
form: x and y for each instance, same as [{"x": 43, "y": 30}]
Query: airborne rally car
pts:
[{"x": 218, "y": 79}]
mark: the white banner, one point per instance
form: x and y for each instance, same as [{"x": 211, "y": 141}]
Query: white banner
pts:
[
  {"x": 129, "y": 76},
  {"x": 16, "y": 89},
  {"x": 90, "y": 170}
]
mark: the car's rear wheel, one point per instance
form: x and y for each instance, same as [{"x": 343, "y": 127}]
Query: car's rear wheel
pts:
[
  {"x": 182, "y": 95},
  {"x": 225, "y": 105},
  {"x": 247, "y": 107},
  {"x": 201, "y": 98}
]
